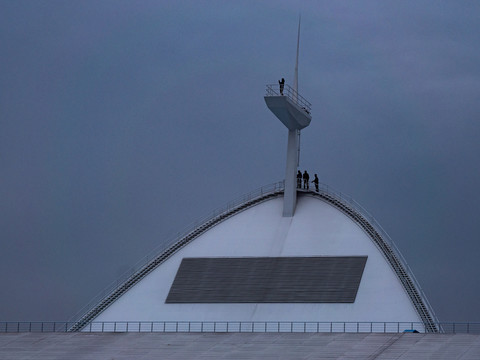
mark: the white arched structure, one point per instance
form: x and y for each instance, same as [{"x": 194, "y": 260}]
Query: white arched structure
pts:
[{"x": 324, "y": 226}]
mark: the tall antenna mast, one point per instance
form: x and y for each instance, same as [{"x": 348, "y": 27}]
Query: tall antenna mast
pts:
[
  {"x": 294, "y": 112},
  {"x": 295, "y": 85},
  {"x": 295, "y": 78}
]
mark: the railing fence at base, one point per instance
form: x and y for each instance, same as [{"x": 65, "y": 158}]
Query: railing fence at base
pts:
[{"x": 238, "y": 327}]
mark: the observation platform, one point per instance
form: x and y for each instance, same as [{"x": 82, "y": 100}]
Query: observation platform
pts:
[{"x": 292, "y": 109}]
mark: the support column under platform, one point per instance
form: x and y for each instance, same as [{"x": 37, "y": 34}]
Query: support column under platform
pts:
[
  {"x": 294, "y": 112},
  {"x": 290, "y": 195}
]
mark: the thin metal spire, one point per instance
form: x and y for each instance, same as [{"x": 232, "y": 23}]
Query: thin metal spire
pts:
[
  {"x": 295, "y": 80},
  {"x": 295, "y": 85}
]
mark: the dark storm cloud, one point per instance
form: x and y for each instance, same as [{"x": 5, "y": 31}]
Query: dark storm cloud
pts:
[{"x": 122, "y": 122}]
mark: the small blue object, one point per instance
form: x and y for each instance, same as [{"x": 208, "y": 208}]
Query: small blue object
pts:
[{"x": 410, "y": 331}]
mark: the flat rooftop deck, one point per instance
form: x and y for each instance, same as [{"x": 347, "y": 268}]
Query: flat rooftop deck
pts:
[{"x": 123, "y": 346}]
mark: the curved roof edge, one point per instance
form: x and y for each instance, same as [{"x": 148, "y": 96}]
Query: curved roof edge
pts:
[
  {"x": 326, "y": 193},
  {"x": 385, "y": 244}
]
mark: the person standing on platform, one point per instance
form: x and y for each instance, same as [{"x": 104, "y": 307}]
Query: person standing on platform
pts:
[
  {"x": 299, "y": 179},
  {"x": 282, "y": 84},
  {"x": 306, "y": 177},
  {"x": 315, "y": 181}
]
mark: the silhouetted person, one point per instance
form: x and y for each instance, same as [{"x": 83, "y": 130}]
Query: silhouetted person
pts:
[
  {"x": 282, "y": 84},
  {"x": 306, "y": 177},
  {"x": 299, "y": 179},
  {"x": 315, "y": 181}
]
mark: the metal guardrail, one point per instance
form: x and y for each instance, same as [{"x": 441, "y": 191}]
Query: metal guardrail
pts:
[
  {"x": 289, "y": 92},
  {"x": 239, "y": 327}
]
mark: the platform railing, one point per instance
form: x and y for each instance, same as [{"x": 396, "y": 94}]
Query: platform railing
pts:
[
  {"x": 238, "y": 327},
  {"x": 291, "y": 93}
]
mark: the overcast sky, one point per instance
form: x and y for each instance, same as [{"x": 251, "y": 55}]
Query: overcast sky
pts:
[{"x": 121, "y": 122}]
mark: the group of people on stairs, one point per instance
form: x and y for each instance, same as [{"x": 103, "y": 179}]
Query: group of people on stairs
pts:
[{"x": 306, "y": 180}]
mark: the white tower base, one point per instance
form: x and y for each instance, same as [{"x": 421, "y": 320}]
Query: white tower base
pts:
[{"x": 290, "y": 195}]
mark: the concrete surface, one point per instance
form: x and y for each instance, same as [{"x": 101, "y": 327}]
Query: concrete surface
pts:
[{"x": 123, "y": 346}]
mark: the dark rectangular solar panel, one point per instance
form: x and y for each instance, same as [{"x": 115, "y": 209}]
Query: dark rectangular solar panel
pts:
[{"x": 322, "y": 279}]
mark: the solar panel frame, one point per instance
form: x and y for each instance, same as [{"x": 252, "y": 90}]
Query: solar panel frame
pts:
[{"x": 315, "y": 279}]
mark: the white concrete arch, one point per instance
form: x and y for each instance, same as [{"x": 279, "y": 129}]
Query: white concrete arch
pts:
[{"x": 317, "y": 229}]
